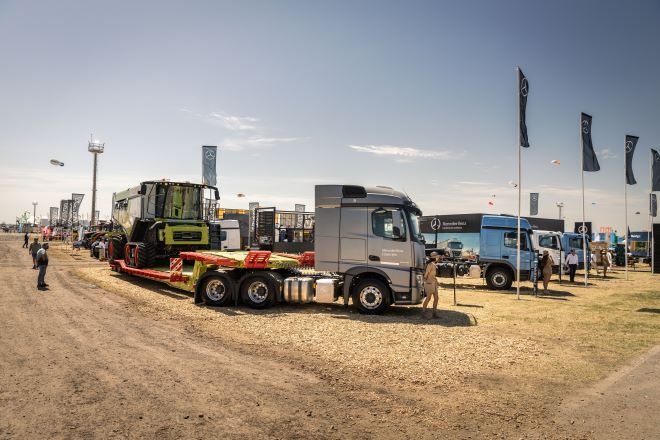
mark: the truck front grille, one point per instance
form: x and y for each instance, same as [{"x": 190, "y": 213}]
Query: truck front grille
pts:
[{"x": 187, "y": 236}]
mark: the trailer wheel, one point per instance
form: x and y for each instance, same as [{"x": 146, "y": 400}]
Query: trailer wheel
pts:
[
  {"x": 258, "y": 291},
  {"x": 499, "y": 278},
  {"x": 216, "y": 290},
  {"x": 371, "y": 296}
]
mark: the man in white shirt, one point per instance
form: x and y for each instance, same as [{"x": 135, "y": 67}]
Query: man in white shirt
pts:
[{"x": 572, "y": 262}]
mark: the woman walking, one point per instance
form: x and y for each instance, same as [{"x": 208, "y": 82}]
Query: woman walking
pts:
[
  {"x": 431, "y": 285},
  {"x": 546, "y": 269}
]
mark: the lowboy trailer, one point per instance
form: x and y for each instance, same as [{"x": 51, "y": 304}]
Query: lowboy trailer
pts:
[{"x": 368, "y": 249}]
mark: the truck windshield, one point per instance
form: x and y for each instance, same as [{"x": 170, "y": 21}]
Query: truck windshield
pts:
[
  {"x": 178, "y": 202},
  {"x": 413, "y": 221}
]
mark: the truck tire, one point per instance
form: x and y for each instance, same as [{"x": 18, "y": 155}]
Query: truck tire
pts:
[
  {"x": 216, "y": 290},
  {"x": 371, "y": 296},
  {"x": 499, "y": 278},
  {"x": 116, "y": 249},
  {"x": 258, "y": 291}
]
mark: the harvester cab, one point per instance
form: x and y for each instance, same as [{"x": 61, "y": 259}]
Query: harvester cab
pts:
[{"x": 159, "y": 219}]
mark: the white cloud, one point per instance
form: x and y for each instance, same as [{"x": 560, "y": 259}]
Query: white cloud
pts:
[
  {"x": 606, "y": 154},
  {"x": 403, "y": 154},
  {"x": 239, "y": 144},
  {"x": 236, "y": 123}
]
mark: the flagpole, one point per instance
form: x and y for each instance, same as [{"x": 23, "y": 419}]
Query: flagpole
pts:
[
  {"x": 584, "y": 239},
  {"x": 648, "y": 236},
  {"x": 519, "y": 189},
  {"x": 625, "y": 201}
]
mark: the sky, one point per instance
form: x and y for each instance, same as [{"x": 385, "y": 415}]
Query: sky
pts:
[{"x": 416, "y": 95}]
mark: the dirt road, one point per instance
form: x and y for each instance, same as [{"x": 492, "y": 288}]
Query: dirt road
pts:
[{"x": 80, "y": 361}]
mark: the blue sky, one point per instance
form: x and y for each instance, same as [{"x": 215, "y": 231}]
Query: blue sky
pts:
[{"x": 416, "y": 95}]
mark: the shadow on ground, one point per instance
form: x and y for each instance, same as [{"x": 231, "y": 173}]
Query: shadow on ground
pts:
[{"x": 394, "y": 314}]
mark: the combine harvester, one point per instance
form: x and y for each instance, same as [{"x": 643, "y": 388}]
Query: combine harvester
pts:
[{"x": 368, "y": 249}]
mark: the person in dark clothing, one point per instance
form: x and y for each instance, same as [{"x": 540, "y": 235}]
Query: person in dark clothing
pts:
[
  {"x": 572, "y": 262},
  {"x": 26, "y": 238},
  {"x": 42, "y": 264},
  {"x": 34, "y": 248}
]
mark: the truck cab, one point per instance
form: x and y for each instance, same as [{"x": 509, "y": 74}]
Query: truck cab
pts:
[
  {"x": 549, "y": 241},
  {"x": 371, "y": 236},
  {"x": 572, "y": 240},
  {"x": 499, "y": 247}
]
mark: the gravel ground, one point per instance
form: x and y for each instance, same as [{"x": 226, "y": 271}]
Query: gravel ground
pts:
[{"x": 489, "y": 367}]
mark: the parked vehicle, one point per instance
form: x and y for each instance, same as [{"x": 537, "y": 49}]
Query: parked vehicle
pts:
[
  {"x": 572, "y": 240},
  {"x": 159, "y": 219},
  {"x": 550, "y": 241},
  {"x": 497, "y": 257},
  {"x": 367, "y": 248},
  {"x": 230, "y": 234}
]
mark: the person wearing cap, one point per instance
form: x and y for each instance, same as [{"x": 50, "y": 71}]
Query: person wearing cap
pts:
[
  {"x": 546, "y": 269},
  {"x": 431, "y": 285},
  {"x": 42, "y": 264}
]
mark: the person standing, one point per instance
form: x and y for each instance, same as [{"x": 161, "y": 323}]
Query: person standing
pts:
[
  {"x": 42, "y": 264},
  {"x": 431, "y": 285},
  {"x": 546, "y": 269},
  {"x": 34, "y": 248},
  {"x": 572, "y": 262},
  {"x": 25, "y": 242}
]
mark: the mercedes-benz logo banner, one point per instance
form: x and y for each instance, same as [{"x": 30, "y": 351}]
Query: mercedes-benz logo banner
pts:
[
  {"x": 631, "y": 143},
  {"x": 655, "y": 171},
  {"x": 523, "y": 91},
  {"x": 589, "y": 159},
  {"x": 209, "y": 156},
  {"x": 533, "y": 203}
]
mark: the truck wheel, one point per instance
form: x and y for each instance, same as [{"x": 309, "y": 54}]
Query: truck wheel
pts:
[
  {"x": 371, "y": 296},
  {"x": 258, "y": 292},
  {"x": 499, "y": 279},
  {"x": 116, "y": 249},
  {"x": 216, "y": 290}
]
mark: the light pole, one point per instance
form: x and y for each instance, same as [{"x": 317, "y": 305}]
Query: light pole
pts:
[
  {"x": 560, "y": 205},
  {"x": 95, "y": 147},
  {"x": 34, "y": 212}
]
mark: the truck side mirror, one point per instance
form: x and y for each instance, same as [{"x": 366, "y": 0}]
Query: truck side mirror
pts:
[
  {"x": 143, "y": 189},
  {"x": 217, "y": 194},
  {"x": 396, "y": 232}
]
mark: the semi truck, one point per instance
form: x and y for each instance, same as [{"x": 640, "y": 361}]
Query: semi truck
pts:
[
  {"x": 368, "y": 250},
  {"x": 496, "y": 259},
  {"x": 558, "y": 244},
  {"x": 156, "y": 220}
]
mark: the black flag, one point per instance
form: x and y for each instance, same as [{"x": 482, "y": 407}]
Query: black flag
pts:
[
  {"x": 589, "y": 159},
  {"x": 655, "y": 171},
  {"x": 631, "y": 143},
  {"x": 533, "y": 203},
  {"x": 523, "y": 90},
  {"x": 654, "y": 206}
]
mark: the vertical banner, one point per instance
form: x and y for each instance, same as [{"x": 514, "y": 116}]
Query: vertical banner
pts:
[
  {"x": 209, "y": 155},
  {"x": 523, "y": 91},
  {"x": 589, "y": 159},
  {"x": 533, "y": 203},
  {"x": 655, "y": 170},
  {"x": 97, "y": 216},
  {"x": 631, "y": 143},
  {"x": 60, "y": 219},
  {"x": 77, "y": 200},
  {"x": 65, "y": 213},
  {"x": 252, "y": 220},
  {"x": 52, "y": 221},
  {"x": 299, "y": 217},
  {"x": 654, "y": 205}
]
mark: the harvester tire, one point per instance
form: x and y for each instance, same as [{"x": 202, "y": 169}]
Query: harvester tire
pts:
[{"x": 116, "y": 250}]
